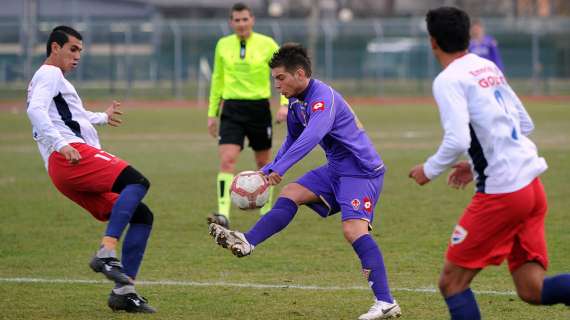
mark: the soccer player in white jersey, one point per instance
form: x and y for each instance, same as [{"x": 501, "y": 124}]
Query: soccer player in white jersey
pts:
[
  {"x": 482, "y": 116},
  {"x": 103, "y": 184}
]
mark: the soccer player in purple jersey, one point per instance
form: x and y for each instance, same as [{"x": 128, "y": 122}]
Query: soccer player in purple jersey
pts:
[
  {"x": 350, "y": 182},
  {"x": 483, "y": 45}
]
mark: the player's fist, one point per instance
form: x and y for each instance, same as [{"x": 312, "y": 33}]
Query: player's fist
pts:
[
  {"x": 213, "y": 126},
  {"x": 71, "y": 154},
  {"x": 418, "y": 174},
  {"x": 113, "y": 113}
]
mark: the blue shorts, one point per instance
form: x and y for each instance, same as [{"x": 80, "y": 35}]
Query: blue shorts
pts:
[{"x": 354, "y": 197}]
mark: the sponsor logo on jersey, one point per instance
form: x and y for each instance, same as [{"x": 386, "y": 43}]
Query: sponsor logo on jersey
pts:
[
  {"x": 367, "y": 204},
  {"x": 355, "y": 204},
  {"x": 458, "y": 235},
  {"x": 318, "y": 106}
]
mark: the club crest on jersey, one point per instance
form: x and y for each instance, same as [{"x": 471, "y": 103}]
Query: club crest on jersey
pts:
[
  {"x": 367, "y": 204},
  {"x": 459, "y": 234},
  {"x": 355, "y": 204},
  {"x": 318, "y": 106}
]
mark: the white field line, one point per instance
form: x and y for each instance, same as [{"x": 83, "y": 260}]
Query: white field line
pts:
[{"x": 239, "y": 285}]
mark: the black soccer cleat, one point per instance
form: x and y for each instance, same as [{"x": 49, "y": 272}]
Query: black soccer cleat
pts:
[
  {"x": 219, "y": 219},
  {"x": 130, "y": 302},
  {"x": 111, "y": 268}
]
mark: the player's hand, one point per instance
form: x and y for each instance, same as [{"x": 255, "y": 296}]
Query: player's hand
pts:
[
  {"x": 418, "y": 174},
  {"x": 460, "y": 176},
  {"x": 71, "y": 154},
  {"x": 281, "y": 115},
  {"x": 274, "y": 178},
  {"x": 213, "y": 126},
  {"x": 113, "y": 113}
]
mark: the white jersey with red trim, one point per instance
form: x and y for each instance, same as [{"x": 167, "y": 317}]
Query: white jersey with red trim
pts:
[
  {"x": 57, "y": 113},
  {"x": 483, "y": 117}
]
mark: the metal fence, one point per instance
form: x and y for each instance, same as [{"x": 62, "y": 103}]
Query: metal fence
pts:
[{"x": 168, "y": 58}]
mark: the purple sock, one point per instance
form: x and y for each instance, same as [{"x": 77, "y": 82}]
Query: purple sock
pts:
[
  {"x": 556, "y": 290},
  {"x": 463, "y": 306},
  {"x": 123, "y": 210},
  {"x": 272, "y": 222},
  {"x": 134, "y": 246},
  {"x": 373, "y": 267}
]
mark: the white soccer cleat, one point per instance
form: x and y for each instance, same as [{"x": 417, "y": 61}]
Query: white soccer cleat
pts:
[
  {"x": 233, "y": 240},
  {"x": 382, "y": 310}
]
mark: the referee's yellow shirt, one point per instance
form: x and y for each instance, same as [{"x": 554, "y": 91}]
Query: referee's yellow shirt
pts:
[{"x": 241, "y": 78}]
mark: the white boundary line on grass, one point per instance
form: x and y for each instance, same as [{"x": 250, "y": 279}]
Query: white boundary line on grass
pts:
[{"x": 239, "y": 285}]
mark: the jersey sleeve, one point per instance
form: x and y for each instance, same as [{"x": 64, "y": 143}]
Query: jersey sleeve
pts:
[
  {"x": 454, "y": 115},
  {"x": 321, "y": 116},
  {"x": 217, "y": 85},
  {"x": 45, "y": 88},
  {"x": 97, "y": 118}
]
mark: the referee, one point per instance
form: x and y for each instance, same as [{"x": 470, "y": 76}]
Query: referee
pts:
[{"x": 241, "y": 88}]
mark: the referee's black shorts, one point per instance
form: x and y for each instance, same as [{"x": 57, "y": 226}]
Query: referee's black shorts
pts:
[{"x": 246, "y": 118}]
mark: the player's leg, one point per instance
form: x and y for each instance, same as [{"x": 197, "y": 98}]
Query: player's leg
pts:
[
  {"x": 304, "y": 191},
  {"x": 131, "y": 186},
  {"x": 125, "y": 297},
  {"x": 454, "y": 285},
  {"x": 528, "y": 259},
  {"x": 228, "y": 154},
  {"x": 262, "y": 158},
  {"x": 259, "y": 132},
  {"x": 282, "y": 213},
  {"x": 230, "y": 144},
  {"x": 357, "y": 198}
]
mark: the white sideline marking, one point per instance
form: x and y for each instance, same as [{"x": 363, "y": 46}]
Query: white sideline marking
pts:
[{"x": 239, "y": 285}]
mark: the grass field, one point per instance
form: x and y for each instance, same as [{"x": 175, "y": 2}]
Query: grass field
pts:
[{"x": 306, "y": 272}]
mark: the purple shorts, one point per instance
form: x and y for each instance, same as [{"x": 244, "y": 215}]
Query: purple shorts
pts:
[{"x": 354, "y": 197}]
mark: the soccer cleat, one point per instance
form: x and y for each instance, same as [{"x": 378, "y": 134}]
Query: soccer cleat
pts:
[
  {"x": 130, "y": 302},
  {"x": 382, "y": 310},
  {"x": 218, "y": 219},
  {"x": 111, "y": 268},
  {"x": 231, "y": 240}
]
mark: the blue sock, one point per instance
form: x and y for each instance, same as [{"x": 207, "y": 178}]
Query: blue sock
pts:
[
  {"x": 463, "y": 306},
  {"x": 124, "y": 208},
  {"x": 556, "y": 290},
  {"x": 272, "y": 222},
  {"x": 134, "y": 246},
  {"x": 373, "y": 265}
]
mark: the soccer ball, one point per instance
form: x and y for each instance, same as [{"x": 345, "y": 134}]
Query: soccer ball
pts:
[{"x": 249, "y": 190}]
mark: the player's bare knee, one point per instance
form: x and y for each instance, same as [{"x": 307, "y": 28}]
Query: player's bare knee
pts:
[
  {"x": 228, "y": 163},
  {"x": 452, "y": 282},
  {"x": 354, "y": 229},
  {"x": 294, "y": 192}
]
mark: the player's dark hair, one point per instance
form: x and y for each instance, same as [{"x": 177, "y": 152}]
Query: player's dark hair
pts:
[
  {"x": 239, "y": 6},
  {"x": 60, "y": 35},
  {"x": 291, "y": 56},
  {"x": 449, "y": 27}
]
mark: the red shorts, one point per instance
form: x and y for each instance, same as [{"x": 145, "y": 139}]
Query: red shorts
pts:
[
  {"x": 89, "y": 182},
  {"x": 498, "y": 226}
]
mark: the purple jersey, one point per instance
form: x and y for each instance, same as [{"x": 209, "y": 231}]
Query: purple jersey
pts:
[
  {"x": 487, "y": 48},
  {"x": 320, "y": 115}
]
